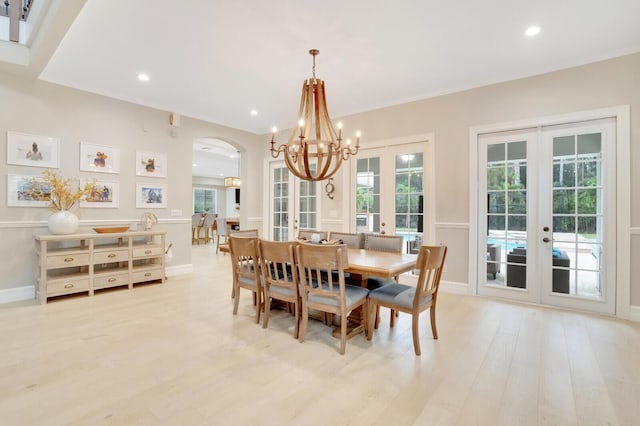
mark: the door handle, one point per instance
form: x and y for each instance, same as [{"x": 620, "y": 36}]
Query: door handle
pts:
[{"x": 545, "y": 240}]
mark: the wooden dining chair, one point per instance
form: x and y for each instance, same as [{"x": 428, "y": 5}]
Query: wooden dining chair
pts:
[
  {"x": 280, "y": 277},
  {"x": 245, "y": 257},
  {"x": 412, "y": 300},
  {"x": 327, "y": 292},
  {"x": 207, "y": 226},
  {"x": 197, "y": 221}
]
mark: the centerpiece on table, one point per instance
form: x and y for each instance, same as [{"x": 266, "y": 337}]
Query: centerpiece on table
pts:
[{"x": 63, "y": 194}]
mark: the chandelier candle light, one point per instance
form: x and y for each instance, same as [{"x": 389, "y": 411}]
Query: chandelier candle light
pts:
[{"x": 316, "y": 156}]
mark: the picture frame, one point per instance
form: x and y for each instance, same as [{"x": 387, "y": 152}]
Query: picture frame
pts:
[
  {"x": 105, "y": 195},
  {"x": 99, "y": 158},
  {"x": 32, "y": 150},
  {"x": 151, "y": 164},
  {"x": 18, "y": 185},
  {"x": 151, "y": 196}
]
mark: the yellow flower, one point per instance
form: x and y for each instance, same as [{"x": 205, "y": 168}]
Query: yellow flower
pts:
[{"x": 61, "y": 191}]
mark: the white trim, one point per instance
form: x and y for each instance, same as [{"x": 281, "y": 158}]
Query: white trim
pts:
[
  {"x": 331, "y": 222},
  {"x": 255, "y": 219},
  {"x": 454, "y": 287},
  {"x": 87, "y": 222},
  {"x": 623, "y": 260},
  {"x": 173, "y": 271},
  {"x": 634, "y": 313},
  {"x": 451, "y": 225},
  {"x": 17, "y": 294},
  {"x": 635, "y": 231}
]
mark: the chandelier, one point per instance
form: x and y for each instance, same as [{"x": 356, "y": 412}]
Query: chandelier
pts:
[{"x": 314, "y": 150}]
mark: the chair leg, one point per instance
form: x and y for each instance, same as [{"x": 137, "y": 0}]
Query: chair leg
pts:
[
  {"x": 258, "y": 306},
  {"x": 372, "y": 314},
  {"x": 296, "y": 329},
  {"x": 434, "y": 330},
  {"x": 343, "y": 332},
  {"x": 416, "y": 335},
  {"x": 267, "y": 310},
  {"x": 393, "y": 318},
  {"x": 305, "y": 320},
  {"x": 236, "y": 299}
]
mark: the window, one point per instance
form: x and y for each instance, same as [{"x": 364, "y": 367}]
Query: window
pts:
[{"x": 204, "y": 200}]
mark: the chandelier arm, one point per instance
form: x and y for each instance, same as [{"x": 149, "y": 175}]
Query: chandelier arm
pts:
[
  {"x": 292, "y": 168},
  {"x": 304, "y": 165},
  {"x": 327, "y": 163},
  {"x": 295, "y": 129},
  {"x": 307, "y": 113},
  {"x": 325, "y": 119},
  {"x": 335, "y": 169},
  {"x": 317, "y": 105}
]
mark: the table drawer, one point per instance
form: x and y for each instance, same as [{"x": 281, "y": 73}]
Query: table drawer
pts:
[
  {"x": 65, "y": 260},
  {"x": 147, "y": 275},
  {"x": 110, "y": 256},
  {"x": 148, "y": 251},
  {"x": 67, "y": 286},
  {"x": 115, "y": 280}
]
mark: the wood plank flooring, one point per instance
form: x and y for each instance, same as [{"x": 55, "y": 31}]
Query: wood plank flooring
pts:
[{"x": 174, "y": 354}]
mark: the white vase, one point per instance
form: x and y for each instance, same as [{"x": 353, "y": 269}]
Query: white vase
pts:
[{"x": 63, "y": 222}]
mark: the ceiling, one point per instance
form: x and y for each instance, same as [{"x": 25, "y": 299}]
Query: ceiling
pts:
[{"x": 217, "y": 60}]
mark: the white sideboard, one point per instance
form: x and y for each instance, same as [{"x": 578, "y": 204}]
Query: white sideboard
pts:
[{"x": 83, "y": 263}]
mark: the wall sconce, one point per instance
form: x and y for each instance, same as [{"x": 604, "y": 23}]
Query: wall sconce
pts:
[{"x": 329, "y": 188}]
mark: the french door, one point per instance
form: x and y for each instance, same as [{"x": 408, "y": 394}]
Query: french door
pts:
[
  {"x": 294, "y": 203},
  {"x": 388, "y": 188},
  {"x": 549, "y": 215}
]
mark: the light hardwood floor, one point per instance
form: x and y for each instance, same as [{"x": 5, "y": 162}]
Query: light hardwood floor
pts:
[{"x": 174, "y": 354}]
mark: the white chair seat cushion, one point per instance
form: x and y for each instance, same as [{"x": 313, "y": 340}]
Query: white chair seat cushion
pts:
[
  {"x": 247, "y": 281},
  {"x": 353, "y": 294},
  {"x": 397, "y": 294}
]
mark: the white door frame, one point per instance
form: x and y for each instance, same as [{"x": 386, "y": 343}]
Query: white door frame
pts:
[{"x": 623, "y": 208}]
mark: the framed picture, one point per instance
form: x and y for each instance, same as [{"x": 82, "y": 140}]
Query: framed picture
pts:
[
  {"x": 33, "y": 150},
  {"x": 27, "y": 191},
  {"x": 151, "y": 164},
  {"x": 151, "y": 196},
  {"x": 104, "y": 195},
  {"x": 99, "y": 158}
]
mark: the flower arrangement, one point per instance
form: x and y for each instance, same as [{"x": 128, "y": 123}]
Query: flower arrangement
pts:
[{"x": 59, "y": 191}]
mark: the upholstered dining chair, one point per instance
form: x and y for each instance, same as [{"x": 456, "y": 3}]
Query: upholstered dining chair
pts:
[
  {"x": 245, "y": 257},
  {"x": 412, "y": 300},
  {"x": 305, "y": 234},
  {"x": 223, "y": 234},
  {"x": 378, "y": 242},
  {"x": 327, "y": 292},
  {"x": 280, "y": 277},
  {"x": 352, "y": 240},
  {"x": 209, "y": 220},
  {"x": 197, "y": 222}
]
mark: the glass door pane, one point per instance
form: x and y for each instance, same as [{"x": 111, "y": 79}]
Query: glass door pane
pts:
[
  {"x": 368, "y": 194},
  {"x": 409, "y": 179},
  {"x": 577, "y": 251},
  {"x": 280, "y": 203}
]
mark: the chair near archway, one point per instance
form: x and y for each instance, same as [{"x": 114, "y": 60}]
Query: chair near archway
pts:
[
  {"x": 245, "y": 255},
  {"x": 412, "y": 300}
]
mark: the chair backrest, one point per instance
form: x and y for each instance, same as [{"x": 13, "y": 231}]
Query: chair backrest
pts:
[
  {"x": 221, "y": 223},
  {"x": 244, "y": 232},
  {"x": 305, "y": 234},
  {"x": 244, "y": 259},
  {"x": 390, "y": 243},
  {"x": 316, "y": 266},
  {"x": 196, "y": 219},
  {"x": 209, "y": 219},
  {"x": 430, "y": 263},
  {"x": 352, "y": 240},
  {"x": 277, "y": 260}
]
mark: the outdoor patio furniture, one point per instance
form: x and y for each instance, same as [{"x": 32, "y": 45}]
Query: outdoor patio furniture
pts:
[{"x": 517, "y": 274}]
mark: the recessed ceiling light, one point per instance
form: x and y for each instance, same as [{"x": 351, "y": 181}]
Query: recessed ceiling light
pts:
[
  {"x": 532, "y": 31},
  {"x": 143, "y": 77},
  {"x": 253, "y": 112},
  {"x": 194, "y": 165}
]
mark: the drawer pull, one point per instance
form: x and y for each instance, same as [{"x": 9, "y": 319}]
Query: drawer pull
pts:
[
  {"x": 148, "y": 274},
  {"x": 68, "y": 286},
  {"x": 68, "y": 259},
  {"x": 111, "y": 255},
  {"x": 112, "y": 280},
  {"x": 148, "y": 252}
]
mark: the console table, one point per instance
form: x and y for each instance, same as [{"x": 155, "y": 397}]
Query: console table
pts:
[{"x": 83, "y": 263}]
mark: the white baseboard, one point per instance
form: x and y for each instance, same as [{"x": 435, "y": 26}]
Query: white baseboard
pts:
[
  {"x": 454, "y": 287},
  {"x": 173, "y": 271},
  {"x": 17, "y": 294},
  {"x": 634, "y": 313}
]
